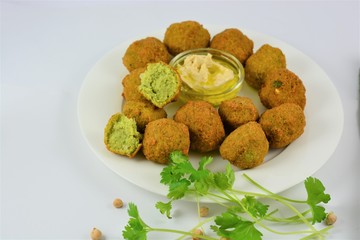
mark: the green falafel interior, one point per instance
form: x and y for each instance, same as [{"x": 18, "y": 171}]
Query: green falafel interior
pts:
[
  {"x": 160, "y": 84},
  {"x": 121, "y": 135}
]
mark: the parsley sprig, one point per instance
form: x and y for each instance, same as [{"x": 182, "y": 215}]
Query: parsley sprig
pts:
[{"x": 245, "y": 212}]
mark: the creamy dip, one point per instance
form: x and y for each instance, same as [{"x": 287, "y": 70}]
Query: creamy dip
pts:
[{"x": 203, "y": 73}]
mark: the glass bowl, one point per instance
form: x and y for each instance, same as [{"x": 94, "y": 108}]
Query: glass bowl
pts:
[{"x": 218, "y": 93}]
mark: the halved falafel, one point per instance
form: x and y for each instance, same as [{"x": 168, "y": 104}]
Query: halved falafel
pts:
[
  {"x": 160, "y": 84},
  {"x": 121, "y": 135}
]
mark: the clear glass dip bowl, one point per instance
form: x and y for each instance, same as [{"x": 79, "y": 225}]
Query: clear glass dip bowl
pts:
[{"x": 218, "y": 94}]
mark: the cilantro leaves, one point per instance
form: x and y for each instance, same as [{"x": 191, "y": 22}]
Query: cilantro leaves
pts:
[
  {"x": 315, "y": 190},
  {"x": 245, "y": 213}
]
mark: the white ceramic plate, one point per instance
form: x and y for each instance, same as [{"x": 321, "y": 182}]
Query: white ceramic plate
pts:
[{"x": 100, "y": 97}]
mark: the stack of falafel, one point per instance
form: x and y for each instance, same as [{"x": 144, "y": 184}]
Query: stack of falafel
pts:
[{"x": 235, "y": 129}]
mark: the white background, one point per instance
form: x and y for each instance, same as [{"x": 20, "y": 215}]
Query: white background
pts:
[{"x": 53, "y": 186}]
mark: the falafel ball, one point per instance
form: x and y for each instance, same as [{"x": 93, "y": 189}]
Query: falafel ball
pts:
[
  {"x": 245, "y": 147},
  {"x": 131, "y": 83},
  {"x": 160, "y": 84},
  {"x": 233, "y": 41},
  {"x": 164, "y": 136},
  {"x": 282, "y": 86},
  {"x": 205, "y": 126},
  {"x": 144, "y": 51},
  {"x": 143, "y": 113},
  {"x": 121, "y": 135},
  {"x": 186, "y": 35},
  {"x": 261, "y": 62},
  {"x": 283, "y": 124},
  {"x": 237, "y": 111}
]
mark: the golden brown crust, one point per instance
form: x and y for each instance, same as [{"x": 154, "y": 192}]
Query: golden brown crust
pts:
[
  {"x": 237, "y": 111},
  {"x": 131, "y": 83},
  {"x": 282, "y": 86},
  {"x": 233, "y": 41},
  {"x": 164, "y": 136},
  {"x": 144, "y": 51},
  {"x": 262, "y": 62},
  {"x": 186, "y": 35},
  {"x": 143, "y": 113},
  {"x": 283, "y": 124},
  {"x": 205, "y": 126},
  {"x": 246, "y": 147}
]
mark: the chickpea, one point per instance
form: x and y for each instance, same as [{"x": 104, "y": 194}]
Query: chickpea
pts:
[
  {"x": 197, "y": 232},
  {"x": 96, "y": 234},
  {"x": 118, "y": 203},
  {"x": 330, "y": 218},
  {"x": 204, "y": 211}
]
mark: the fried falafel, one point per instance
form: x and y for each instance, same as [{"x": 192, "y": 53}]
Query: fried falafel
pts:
[
  {"x": 121, "y": 135},
  {"x": 186, "y": 35},
  {"x": 261, "y": 62},
  {"x": 283, "y": 124},
  {"x": 164, "y": 136},
  {"x": 143, "y": 113},
  {"x": 204, "y": 123},
  {"x": 160, "y": 84},
  {"x": 144, "y": 51},
  {"x": 237, "y": 111},
  {"x": 131, "y": 83},
  {"x": 245, "y": 147},
  {"x": 282, "y": 86},
  {"x": 233, "y": 41}
]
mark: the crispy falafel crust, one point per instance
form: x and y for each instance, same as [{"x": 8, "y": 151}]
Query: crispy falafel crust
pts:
[
  {"x": 233, "y": 41},
  {"x": 143, "y": 113},
  {"x": 144, "y": 51},
  {"x": 282, "y": 86},
  {"x": 131, "y": 83},
  {"x": 205, "y": 125},
  {"x": 163, "y": 136},
  {"x": 283, "y": 124},
  {"x": 237, "y": 111},
  {"x": 186, "y": 35},
  {"x": 261, "y": 62},
  {"x": 246, "y": 147}
]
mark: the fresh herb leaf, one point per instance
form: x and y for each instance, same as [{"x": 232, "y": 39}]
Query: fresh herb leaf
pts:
[
  {"x": 231, "y": 226},
  {"x": 277, "y": 84},
  {"x": 164, "y": 208},
  {"x": 255, "y": 207},
  {"x": 316, "y": 194},
  {"x": 135, "y": 229},
  {"x": 178, "y": 189}
]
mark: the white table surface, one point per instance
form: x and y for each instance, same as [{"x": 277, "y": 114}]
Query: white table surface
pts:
[{"x": 54, "y": 187}]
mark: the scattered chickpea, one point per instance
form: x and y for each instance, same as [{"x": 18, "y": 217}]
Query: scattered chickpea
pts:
[
  {"x": 118, "y": 203},
  {"x": 330, "y": 218},
  {"x": 96, "y": 234},
  {"x": 197, "y": 232},
  {"x": 204, "y": 211}
]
